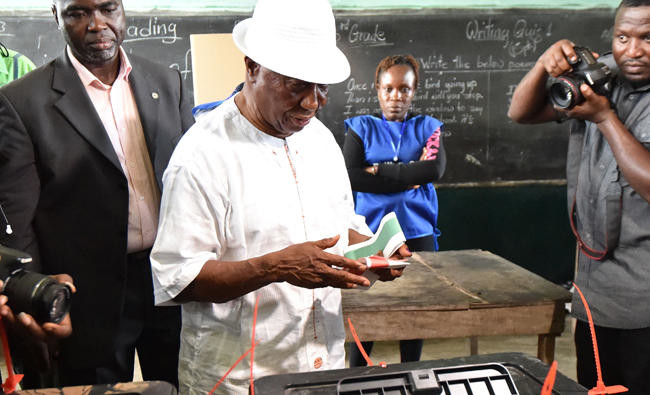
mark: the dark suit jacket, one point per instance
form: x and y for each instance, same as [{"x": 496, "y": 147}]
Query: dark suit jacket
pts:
[{"x": 65, "y": 194}]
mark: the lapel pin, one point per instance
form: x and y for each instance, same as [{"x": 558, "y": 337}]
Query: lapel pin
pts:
[{"x": 154, "y": 95}]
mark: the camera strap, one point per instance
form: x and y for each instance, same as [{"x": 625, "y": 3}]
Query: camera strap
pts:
[{"x": 613, "y": 208}]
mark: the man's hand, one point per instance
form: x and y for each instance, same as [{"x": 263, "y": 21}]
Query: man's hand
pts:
[
  {"x": 530, "y": 102},
  {"x": 307, "y": 265},
  {"x": 25, "y": 325},
  {"x": 402, "y": 252},
  {"x": 555, "y": 59},
  {"x": 390, "y": 274},
  {"x": 595, "y": 108},
  {"x": 559, "y": 58}
]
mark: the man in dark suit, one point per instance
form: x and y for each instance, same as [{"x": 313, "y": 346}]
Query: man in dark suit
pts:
[{"x": 84, "y": 141}]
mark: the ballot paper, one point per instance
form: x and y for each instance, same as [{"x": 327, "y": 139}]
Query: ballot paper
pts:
[{"x": 388, "y": 239}]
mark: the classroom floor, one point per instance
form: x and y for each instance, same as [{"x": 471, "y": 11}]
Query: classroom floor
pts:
[{"x": 448, "y": 348}]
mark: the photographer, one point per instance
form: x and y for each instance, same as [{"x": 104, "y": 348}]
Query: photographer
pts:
[{"x": 608, "y": 185}]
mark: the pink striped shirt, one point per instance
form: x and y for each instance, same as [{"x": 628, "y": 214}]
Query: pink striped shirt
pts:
[{"x": 118, "y": 111}]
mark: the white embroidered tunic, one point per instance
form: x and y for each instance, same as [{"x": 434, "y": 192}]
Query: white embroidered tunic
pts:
[{"x": 232, "y": 192}]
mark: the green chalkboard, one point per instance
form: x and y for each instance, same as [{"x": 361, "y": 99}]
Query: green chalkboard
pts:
[
  {"x": 470, "y": 64},
  {"x": 471, "y": 61}
]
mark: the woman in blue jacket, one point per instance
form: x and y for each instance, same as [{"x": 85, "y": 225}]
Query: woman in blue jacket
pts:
[{"x": 392, "y": 159}]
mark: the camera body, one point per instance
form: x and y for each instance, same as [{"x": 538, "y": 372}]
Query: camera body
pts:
[
  {"x": 39, "y": 295},
  {"x": 564, "y": 91}
]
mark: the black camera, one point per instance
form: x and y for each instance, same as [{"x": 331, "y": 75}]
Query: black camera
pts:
[
  {"x": 564, "y": 91},
  {"x": 41, "y": 296}
]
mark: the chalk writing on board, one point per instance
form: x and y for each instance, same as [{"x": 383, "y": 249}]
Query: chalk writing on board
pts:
[
  {"x": 454, "y": 98},
  {"x": 607, "y": 34},
  {"x": 153, "y": 30},
  {"x": 358, "y": 35},
  {"x": 520, "y": 39},
  {"x": 510, "y": 92},
  {"x": 3, "y": 29},
  {"x": 185, "y": 66},
  {"x": 434, "y": 62},
  {"x": 472, "y": 160},
  {"x": 489, "y": 62},
  {"x": 522, "y": 65}
]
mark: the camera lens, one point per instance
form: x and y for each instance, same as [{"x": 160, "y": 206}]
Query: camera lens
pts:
[
  {"x": 565, "y": 93},
  {"x": 54, "y": 301},
  {"x": 38, "y": 295}
]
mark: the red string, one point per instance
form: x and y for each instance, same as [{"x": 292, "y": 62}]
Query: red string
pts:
[
  {"x": 549, "y": 382},
  {"x": 9, "y": 386},
  {"x": 229, "y": 370},
  {"x": 250, "y": 350},
  {"x": 358, "y": 342},
  {"x": 594, "y": 342},
  {"x": 600, "y": 387},
  {"x": 252, "y": 386}
]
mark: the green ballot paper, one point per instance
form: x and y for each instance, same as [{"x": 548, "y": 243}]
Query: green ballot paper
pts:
[{"x": 388, "y": 238}]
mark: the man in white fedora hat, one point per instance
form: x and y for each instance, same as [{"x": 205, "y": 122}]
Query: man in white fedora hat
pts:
[{"x": 257, "y": 211}]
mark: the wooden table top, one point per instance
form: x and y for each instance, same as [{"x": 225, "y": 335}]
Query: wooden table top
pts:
[{"x": 456, "y": 280}]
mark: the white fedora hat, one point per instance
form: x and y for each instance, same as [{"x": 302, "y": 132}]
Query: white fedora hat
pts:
[{"x": 296, "y": 38}]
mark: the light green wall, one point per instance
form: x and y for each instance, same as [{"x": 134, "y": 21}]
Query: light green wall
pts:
[{"x": 247, "y": 5}]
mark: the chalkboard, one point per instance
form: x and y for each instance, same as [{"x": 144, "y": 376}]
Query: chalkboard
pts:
[
  {"x": 470, "y": 64},
  {"x": 164, "y": 38},
  {"x": 471, "y": 61}
]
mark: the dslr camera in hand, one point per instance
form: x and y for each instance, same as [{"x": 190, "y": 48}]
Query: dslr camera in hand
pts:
[
  {"x": 564, "y": 91},
  {"x": 36, "y": 294}
]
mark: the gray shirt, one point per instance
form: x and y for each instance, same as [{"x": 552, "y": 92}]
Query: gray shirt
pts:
[{"x": 611, "y": 219}]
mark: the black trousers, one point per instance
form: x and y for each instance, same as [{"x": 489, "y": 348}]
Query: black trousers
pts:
[
  {"x": 624, "y": 357},
  {"x": 153, "y": 331},
  {"x": 409, "y": 350}
]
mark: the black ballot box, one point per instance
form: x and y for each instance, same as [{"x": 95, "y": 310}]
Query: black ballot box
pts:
[{"x": 494, "y": 374}]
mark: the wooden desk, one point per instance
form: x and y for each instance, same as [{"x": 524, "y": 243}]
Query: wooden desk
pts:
[{"x": 463, "y": 293}]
